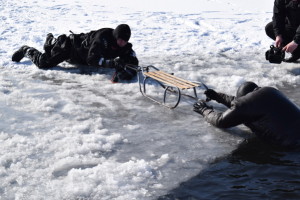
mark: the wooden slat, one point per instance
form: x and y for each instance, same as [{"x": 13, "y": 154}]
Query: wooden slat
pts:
[{"x": 171, "y": 79}]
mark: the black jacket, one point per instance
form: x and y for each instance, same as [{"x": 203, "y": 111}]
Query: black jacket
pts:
[
  {"x": 287, "y": 12},
  {"x": 89, "y": 48},
  {"x": 266, "y": 111}
]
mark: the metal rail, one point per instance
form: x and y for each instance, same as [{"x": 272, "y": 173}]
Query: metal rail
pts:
[{"x": 169, "y": 82}]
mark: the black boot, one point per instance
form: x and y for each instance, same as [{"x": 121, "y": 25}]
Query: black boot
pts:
[
  {"x": 49, "y": 43},
  {"x": 20, "y": 54},
  {"x": 295, "y": 56},
  {"x": 292, "y": 59}
]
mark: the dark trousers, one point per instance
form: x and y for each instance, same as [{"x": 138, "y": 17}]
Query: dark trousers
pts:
[
  {"x": 54, "y": 53},
  {"x": 287, "y": 36}
]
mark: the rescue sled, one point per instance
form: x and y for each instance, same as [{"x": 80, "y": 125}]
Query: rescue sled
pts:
[{"x": 170, "y": 83}]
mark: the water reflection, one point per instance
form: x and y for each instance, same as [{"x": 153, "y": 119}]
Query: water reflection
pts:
[
  {"x": 253, "y": 171},
  {"x": 256, "y": 151}
]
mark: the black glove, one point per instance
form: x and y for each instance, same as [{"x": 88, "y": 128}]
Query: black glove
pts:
[
  {"x": 123, "y": 72},
  {"x": 118, "y": 63},
  {"x": 211, "y": 95},
  {"x": 201, "y": 106},
  {"x": 113, "y": 63}
]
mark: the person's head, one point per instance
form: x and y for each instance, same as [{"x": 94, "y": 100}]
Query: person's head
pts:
[
  {"x": 122, "y": 34},
  {"x": 246, "y": 88}
]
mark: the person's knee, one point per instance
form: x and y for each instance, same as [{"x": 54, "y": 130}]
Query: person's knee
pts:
[
  {"x": 270, "y": 31},
  {"x": 44, "y": 62}
]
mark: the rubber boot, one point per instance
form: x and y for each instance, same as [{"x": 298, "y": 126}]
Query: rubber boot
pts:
[{"x": 19, "y": 54}]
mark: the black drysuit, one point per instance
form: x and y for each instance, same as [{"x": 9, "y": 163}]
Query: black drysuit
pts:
[
  {"x": 286, "y": 21},
  {"x": 266, "y": 111},
  {"x": 85, "y": 48}
]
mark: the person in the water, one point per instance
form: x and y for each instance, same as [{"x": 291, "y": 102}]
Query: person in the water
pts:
[{"x": 265, "y": 110}]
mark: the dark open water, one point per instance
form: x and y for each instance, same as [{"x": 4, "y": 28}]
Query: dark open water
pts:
[{"x": 252, "y": 171}]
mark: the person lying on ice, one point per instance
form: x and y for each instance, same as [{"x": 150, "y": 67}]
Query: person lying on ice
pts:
[
  {"x": 285, "y": 27},
  {"x": 265, "y": 110},
  {"x": 105, "y": 47}
]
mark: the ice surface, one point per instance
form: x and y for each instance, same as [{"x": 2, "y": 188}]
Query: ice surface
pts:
[{"x": 66, "y": 135}]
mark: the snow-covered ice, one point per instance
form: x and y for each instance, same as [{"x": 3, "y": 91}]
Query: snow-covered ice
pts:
[{"x": 67, "y": 135}]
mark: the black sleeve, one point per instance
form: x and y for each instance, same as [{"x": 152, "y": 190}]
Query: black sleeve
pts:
[
  {"x": 279, "y": 15},
  {"x": 236, "y": 115},
  {"x": 96, "y": 50},
  {"x": 225, "y": 99}
]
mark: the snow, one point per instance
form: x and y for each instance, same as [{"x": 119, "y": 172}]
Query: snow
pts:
[{"x": 67, "y": 135}]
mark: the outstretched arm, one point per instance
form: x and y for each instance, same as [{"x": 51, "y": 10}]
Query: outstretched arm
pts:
[
  {"x": 225, "y": 119},
  {"x": 234, "y": 116},
  {"x": 219, "y": 97}
]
